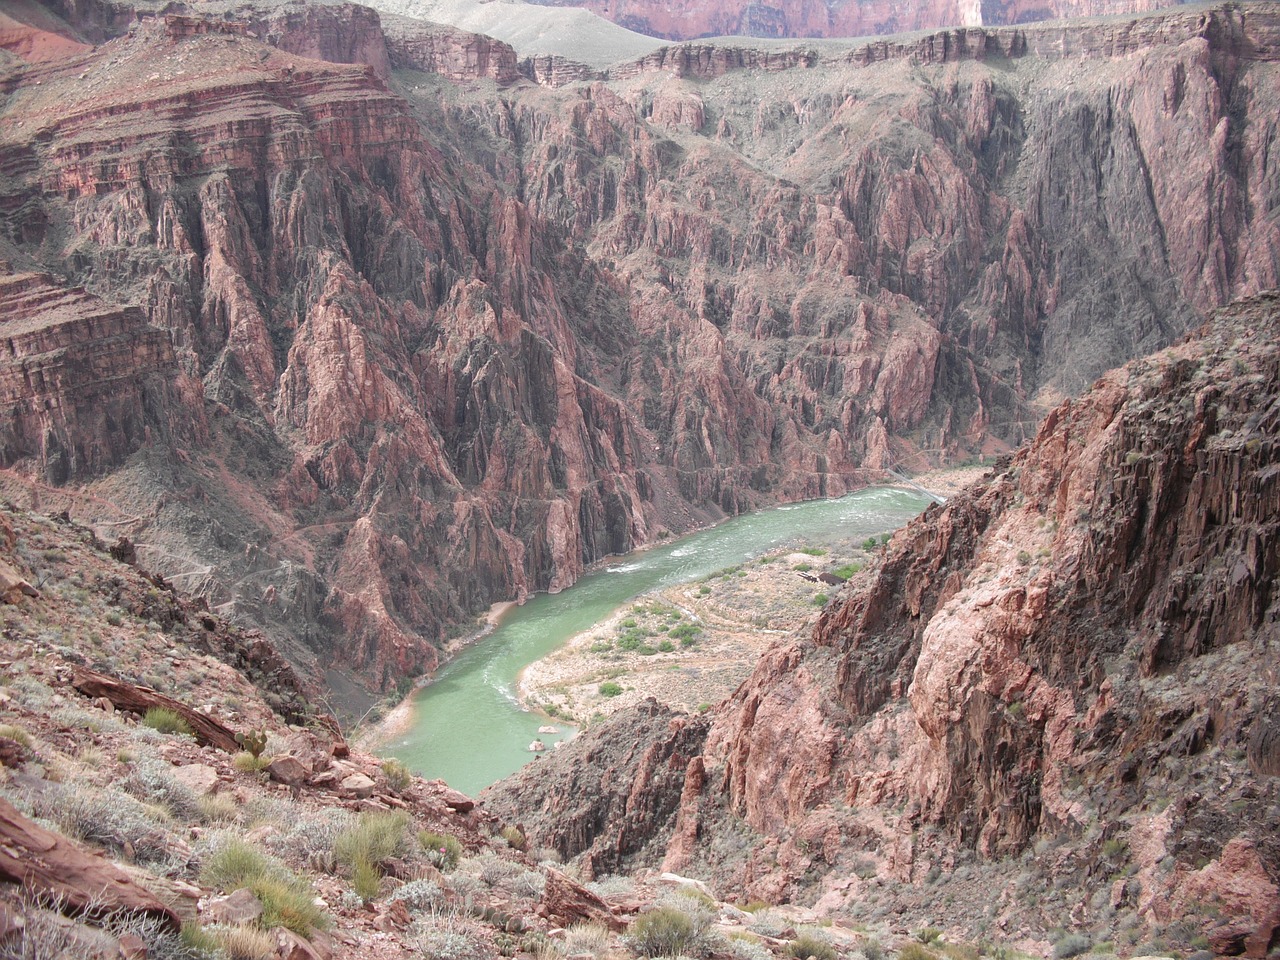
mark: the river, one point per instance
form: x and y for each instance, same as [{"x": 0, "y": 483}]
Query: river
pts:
[{"x": 468, "y": 728}]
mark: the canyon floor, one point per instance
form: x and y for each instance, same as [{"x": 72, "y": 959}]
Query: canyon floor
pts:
[{"x": 689, "y": 646}]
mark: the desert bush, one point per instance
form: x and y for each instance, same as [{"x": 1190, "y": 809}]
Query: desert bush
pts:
[
  {"x": 310, "y": 840},
  {"x": 664, "y": 931},
  {"x": 12, "y": 732},
  {"x": 397, "y": 774},
  {"x": 610, "y": 689},
  {"x": 928, "y": 934},
  {"x": 1072, "y": 945},
  {"x": 230, "y": 863},
  {"x": 806, "y": 945},
  {"x": 419, "y": 895},
  {"x": 164, "y": 720},
  {"x": 107, "y": 817},
  {"x": 916, "y": 951},
  {"x": 514, "y": 837},
  {"x": 217, "y": 808},
  {"x": 530, "y": 883},
  {"x": 242, "y": 943},
  {"x": 744, "y": 948},
  {"x": 770, "y": 923},
  {"x": 444, "y": 851},
  {"x": 366, "y": 880},
  {"x": 613, "y": 885},
  {"x": 587, "y": 938},
  {"x": 246, "y": 762},
  {"x": 152, "y": 780},
  {"x": 448, "y": 937},
  {"x": 375, "y": 838}
]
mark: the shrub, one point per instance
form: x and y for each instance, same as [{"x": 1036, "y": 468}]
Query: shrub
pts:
[
  {"x": 366, "y": 881},
  {"x": 802, "y": 567},
  {"x": 246, "y": 762},
  {"x": 443, "y": 850},
  {"x": 15, "y": 733},
  {"x": 286, "y": 899},
  {"x": 164, "y": 720},
  {"x": 514, "y": 837},
  {"x": 531, "y": 884},
  {"x": 310, "y": 840},
  {"x": 847, "y": 571},
  {"x": 397, "y": 774},
  {"x": 686, "y": 631},
  {"x": 153, "y": 781},
  {"x": 916, "y": 951},
  {"x": 586, "y": 938},
  {"x": 233, "y": 864},
  {"x": 664, "y": 932},
  {"x": 610, "y": 689},
  {"x": 217, "y": 808},
  {"x": 242, "y": 943},
  {"x": 1072, "y": 945},
  {"x": 450, "y": 938},
  {"x": 770, "y": 923},
  {"x": 666, "y": 646},
  {"x": 375, "y": 838},
  {"x": 807, "y": 945},
  {"x": 869, "y": 544},
  {"x": 814, "y": 551},
  {"x": 928, "y": 934},
  {"x": 420, "y": 895},
  {"x": 820, "y": 600},
  {"x": 107, "y": 817}
]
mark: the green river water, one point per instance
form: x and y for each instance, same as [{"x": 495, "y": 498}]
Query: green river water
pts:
[{"x": 468, "y": 728}]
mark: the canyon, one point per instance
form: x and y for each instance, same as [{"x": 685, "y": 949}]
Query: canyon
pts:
[
  {"x": 1053, "y": 699},
  {"x": 838, "y": 18},
  {"x": 395, "y": 324}
]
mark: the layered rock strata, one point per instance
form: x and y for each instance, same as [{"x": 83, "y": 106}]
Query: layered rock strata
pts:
[
  {"x": 440, "y": 337},
  {"x": 1074, "y": 658}
]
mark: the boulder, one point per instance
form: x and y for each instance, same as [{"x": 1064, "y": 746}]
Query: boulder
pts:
[
  {"x": 237, "y": 908},
  {"x": 357, "y": 785},
  {"x": 457, "y": 800},
  {"x": 288, "y": 770},
  {"x": 200, "y": 778}
]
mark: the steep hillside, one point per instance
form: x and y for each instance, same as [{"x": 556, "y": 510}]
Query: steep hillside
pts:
[
  {"x": 1050, "y": 708},
  {"x": 391, "y": 332},
  {"x": 837, "y": 18}
]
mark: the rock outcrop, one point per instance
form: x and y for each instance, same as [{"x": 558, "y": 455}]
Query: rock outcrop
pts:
[
  {"x": 1075, "y": 657},
  {"x": 385, "y": 346},
  {"x": 689, "y": 20}
]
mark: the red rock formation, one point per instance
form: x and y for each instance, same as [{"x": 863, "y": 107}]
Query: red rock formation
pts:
[
  {"x": 844, "y": 18},
  {"x": 1074, "y": 652},
  {"x": 453, "y": 349}
]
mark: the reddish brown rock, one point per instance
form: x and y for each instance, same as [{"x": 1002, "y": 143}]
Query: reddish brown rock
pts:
[
  {"x": 288, "y": 770},
  {"x": 135, "y": 699},
  {"x": 49, "y": 865}
]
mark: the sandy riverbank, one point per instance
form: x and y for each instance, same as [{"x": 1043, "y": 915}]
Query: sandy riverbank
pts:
[
  {"x": 399, "y": 720},
  {"x": 736, "y": 615},
  {"x": 715, "y": 629}
]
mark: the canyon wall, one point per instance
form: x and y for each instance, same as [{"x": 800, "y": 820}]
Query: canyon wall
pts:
[
  {"x": 1055, "y": 694},
  {"x": 407, "y": 334},
  {"x": 689, "y": 20}
]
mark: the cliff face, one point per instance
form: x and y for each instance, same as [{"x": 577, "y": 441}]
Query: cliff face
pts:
[
  {"x": 1076, "y": 656},
  {"x": 689, "y": 20},
  {"x": 439, "y": 337}
]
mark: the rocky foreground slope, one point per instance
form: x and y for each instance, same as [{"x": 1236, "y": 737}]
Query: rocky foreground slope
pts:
[
  {"x": 1051, "y": 707},
  {"x": 391, "y": 331}
]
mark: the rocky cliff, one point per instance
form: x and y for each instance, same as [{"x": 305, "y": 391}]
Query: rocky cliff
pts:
[
  {"x": 438, "y": 336},
  {"x": 689, "y": 20},
  {"x": 1054, "y": 695}
]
